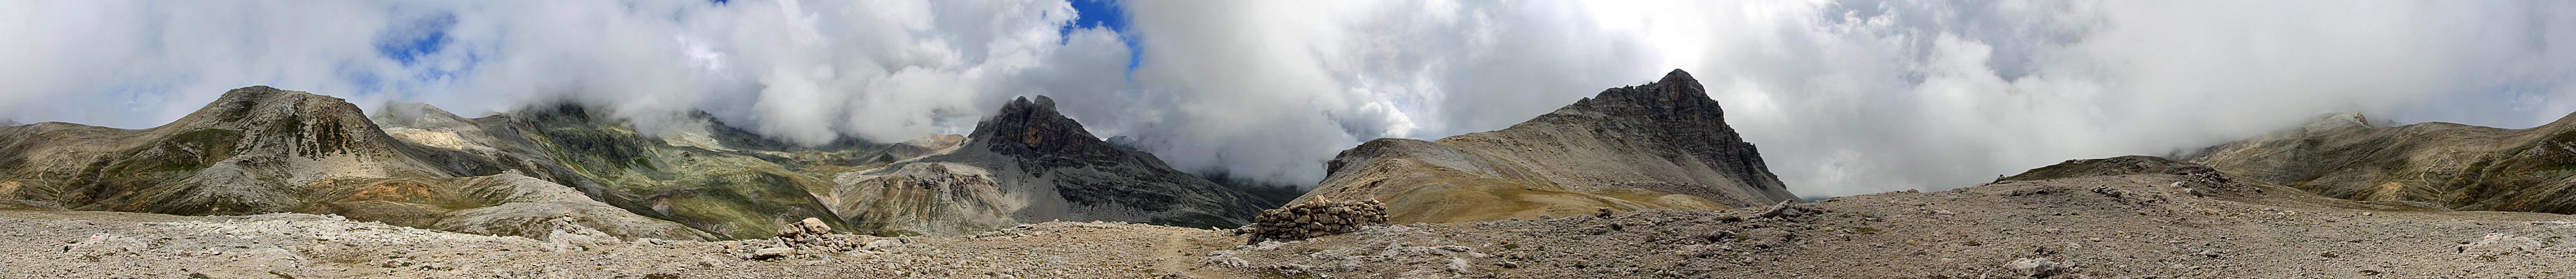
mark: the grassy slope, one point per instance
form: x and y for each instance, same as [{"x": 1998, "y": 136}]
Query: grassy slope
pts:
[
  {"x": 1450, "y": 195},
  {"x": 730, "y": 194}
]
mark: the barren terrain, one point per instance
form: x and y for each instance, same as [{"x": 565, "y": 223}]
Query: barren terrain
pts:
[{"x": 2111, "y": 219}]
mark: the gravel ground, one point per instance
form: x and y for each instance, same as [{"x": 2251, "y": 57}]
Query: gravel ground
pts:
[
  {"x": 2121, "y": 226},
  {"x": 58, "y": 244},
  {"x": 2153, "y": 229}
]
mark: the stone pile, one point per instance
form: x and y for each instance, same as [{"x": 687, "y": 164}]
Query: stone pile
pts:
[
  {"x": 810, "y": 232},
  {"x": 809, "y": 236},
  {"x": 1314, "y": 219}
]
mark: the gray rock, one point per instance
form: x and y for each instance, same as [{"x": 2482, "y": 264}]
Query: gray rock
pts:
[
  {"x": 814, "y": 226},
  {"x": 2035, "y": 268},
  {"x": 771, "y": 253}
]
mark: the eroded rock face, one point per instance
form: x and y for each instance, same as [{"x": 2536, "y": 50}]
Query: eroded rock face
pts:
[
  {"x": 933, "y": 198},
  {"x": 1663, "y": 145},
  {"x": 1029, "y": 163},
  {"x": 1675, "y": 118},
  {"x": 1034, "y": 131}
]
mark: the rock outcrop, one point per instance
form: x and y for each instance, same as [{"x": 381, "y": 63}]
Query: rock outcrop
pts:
[
  {"x": 2443, "y": 164},
  {"x": 1029, "y": 163},
  {"x": 1663, "y": 145}
]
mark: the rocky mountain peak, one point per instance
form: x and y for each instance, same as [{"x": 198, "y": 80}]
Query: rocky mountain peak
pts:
[
  {"x": 262, "y": 103},
  {"x": 417, "y": 115},
  {"x": 1661, "y": 145},
  {"x": 293, "y": 121},
  {"x": 1029, "y": 147},
  {"x": 1032, "y": 128},
  {"x": 1675, "y": 98},
  {"x": 2340, "y": 121},
  {"x": 1675, "y": 116}
]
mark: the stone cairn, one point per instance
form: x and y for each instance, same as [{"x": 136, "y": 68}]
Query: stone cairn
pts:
[
  {"x": 801, "y": 237},
  {"x": 806, "y": 233},
  {"x": 1314, "y": 219}
]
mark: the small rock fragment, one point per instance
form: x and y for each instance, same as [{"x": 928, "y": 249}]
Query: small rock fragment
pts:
[
  {"x": 771, "y": 253},
  {"x": 1775, "y": 211},
  {"x": 2035, "y": 268}
]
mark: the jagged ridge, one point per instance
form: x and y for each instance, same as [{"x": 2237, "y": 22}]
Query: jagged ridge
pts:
[{"x": 1030, "y": 163}]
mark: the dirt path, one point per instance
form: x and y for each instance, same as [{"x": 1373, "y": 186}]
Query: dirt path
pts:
[{"x": 1174, "y": 255}]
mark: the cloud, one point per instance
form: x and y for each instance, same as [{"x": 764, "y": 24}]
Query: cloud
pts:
[
  {"x": 1848, "y": 97},
  {"x": 112, "y": 62},
  {"x": 1270, "y": 90},
  {"x": 1843, "y": 97},
  {"x": 1860, "y": 96},
  {"x": 806, "y": 72}
]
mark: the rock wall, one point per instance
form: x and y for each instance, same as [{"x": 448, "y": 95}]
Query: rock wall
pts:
[{"x": 1314, "y": 219}]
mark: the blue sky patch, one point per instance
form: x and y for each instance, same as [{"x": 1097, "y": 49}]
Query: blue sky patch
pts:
[
  {"x": 407, "y": 41},
  {"x": 1105, "y": 14}
]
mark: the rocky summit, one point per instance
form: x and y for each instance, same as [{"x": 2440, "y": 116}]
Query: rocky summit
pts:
[
  {"x": 1663, "y": 145},
  {"x": 1029, "y": 163}
]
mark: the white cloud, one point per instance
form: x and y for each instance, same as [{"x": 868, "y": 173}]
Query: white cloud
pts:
[
  {"x": 1270, "y": 90},
  {"x": 1844, "y": 97},
  {"x": 1858, "y": 97},
  {"x": 809, "y": 72}
]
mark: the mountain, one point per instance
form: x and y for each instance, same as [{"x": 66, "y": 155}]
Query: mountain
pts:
[
  {"x": 1029, "y": 163},
  {"x": 1663, "y": 145},
  {"x": 262, "y": 150},
  {"x": 2449, "y": 165},
  {"x": 696, "y": 171}
]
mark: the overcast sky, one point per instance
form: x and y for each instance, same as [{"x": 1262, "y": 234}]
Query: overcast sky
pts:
[{"x": 1842, "y": 97}]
